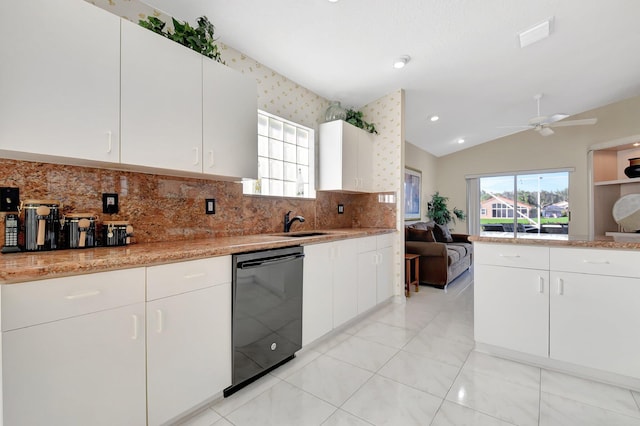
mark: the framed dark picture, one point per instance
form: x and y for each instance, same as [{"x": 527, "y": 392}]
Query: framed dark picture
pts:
[{"x": 412, "y": 191}]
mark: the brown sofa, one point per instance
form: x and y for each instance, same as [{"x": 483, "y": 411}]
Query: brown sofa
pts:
[{"x": 443, "y": 256}]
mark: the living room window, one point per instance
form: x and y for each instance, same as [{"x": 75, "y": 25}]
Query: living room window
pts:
[
  {"x": 520, "y": 205},
  {"x": 285, "y": 159}
]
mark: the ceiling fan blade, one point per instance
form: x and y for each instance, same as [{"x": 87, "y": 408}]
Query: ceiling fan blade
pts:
[
  {"x": 584, "y": 122},
  {"x": 513, "y": 127},
  {"x": 557, "y": 117},
  {"x": 541, "y": 119},
  {"x": 544, "y": 131}
]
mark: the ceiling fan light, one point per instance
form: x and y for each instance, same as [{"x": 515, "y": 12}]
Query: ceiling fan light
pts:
[{"x": 545, "y": 131}]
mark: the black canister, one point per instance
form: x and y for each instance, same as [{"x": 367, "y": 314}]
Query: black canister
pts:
[
  {"x": 116, "y": 233},
  {"x": 41, "y": 224},
  {"x": 79, "y": 230}
]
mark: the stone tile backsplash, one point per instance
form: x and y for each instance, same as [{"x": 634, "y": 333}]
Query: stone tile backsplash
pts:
[{"x": 167, "y": 208}]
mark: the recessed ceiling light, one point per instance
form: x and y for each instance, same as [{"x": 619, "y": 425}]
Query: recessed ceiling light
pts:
[
  {"x": 460, "y": 140},
  {"x": 401, "y": 62},
  {"x": 434, "y": 118},
  {"x": 636, "y": 144},
  {"x": 333, "y": 1}
]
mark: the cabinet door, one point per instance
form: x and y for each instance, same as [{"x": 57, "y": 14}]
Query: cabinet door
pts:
[
  {"x": 86, "y": 370},
  {"x": 350, "y": 160},
  {"x": 188, "y": 350},
  {"x": 365, "y": 161},
  {"x": 161, "y": 111},
  {"x": 345, "y": 281},
  {"x": 60, "y": 79},
  {"x": 385, "y": 274},
  {"x": 595, "y": 321},
  {"x": 230, "y": 122},
  {"x": 367, "y": 280},
  {"x": 317, "y": 294},
  {"x": 511, "y": 308}
]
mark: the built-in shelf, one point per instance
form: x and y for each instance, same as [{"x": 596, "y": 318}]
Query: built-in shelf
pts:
[{"x": 617, "y": 182}]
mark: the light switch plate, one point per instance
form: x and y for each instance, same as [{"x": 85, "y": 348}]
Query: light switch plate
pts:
[
  {"x": 9, "y": 199},
  {"x": 340, "y": 208},
  {"x": 110, "y": 203},
  {"x": 210, "y": 206}
]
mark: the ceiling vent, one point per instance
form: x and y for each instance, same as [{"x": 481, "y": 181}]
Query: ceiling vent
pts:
[{"x": 535, "y": 33}]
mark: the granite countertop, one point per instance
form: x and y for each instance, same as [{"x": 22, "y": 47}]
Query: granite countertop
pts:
[
  {"x": 572, "y": 241},
  {"x": 28, "y": 266}
]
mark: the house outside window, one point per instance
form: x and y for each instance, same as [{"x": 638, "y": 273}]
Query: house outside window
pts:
[
  {"x": 521, "y": 205},
  {"x": 285, "y": 159}
]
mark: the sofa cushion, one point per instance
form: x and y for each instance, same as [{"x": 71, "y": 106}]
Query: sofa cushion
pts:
[
  {"x": 422, "y": 225},
  {"x": 414, "y": 234},
  {"x": 453, "y": 255},
  {"x": 442, "y": 233},
  {"x": 464, "y": 248}
]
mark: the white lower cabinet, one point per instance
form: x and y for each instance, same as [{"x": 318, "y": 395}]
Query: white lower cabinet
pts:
[
  {"x": 345, "y": 281},
  {"x": 317, "y": 292},
  {"x": 188, "y": 335},
  {"x": 512, "y": 308},
  {"x": 584, "y": 315},
  {"x": 77, "y": 355},
  {"x": 367, "y": 274},
  {"x": 384, "y": 267}
]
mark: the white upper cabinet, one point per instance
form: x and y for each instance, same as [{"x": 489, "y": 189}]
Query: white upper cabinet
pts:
[
  {"x": 59, "y": 79},
  {"x": 161, "y": 109},
  {"x": 230, "y": 122},
  {"x": 346, "y": 158}
]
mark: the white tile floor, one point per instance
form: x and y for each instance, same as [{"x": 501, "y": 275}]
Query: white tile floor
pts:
[{"x": 414, "y": 364}]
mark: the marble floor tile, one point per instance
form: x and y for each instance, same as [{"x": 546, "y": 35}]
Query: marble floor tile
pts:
[
  {"x": 457, "y": 330},
  {"x": 386, "y": 334},
  {"x": 206, "y": 417},
  {"x": 363, "y": 353},
  {"x": 498, "y": 398},
  {"x": 330, "y": 379},
  {"x": 244, "y": 395},
  {"x": 302, "y": 358},
  {"x": 282, "y": 405},
  {"x": 409, "y": 317},
  {"x": 420, "y": 372},
  {"x": 222, "y": 422},
  {"x": 556, "y": 410},
  {"x": 327, "y": 343},
  {"x": 342, "y": 418},
  {"x": 509, "y": 371},
  {"x": 443, "y": 350},
  {"x": 636, "y": 396},
  {"x": 601, "y": 395},
  {"x": 384, "y": 402},
  {"x": 451, "y": 414}
]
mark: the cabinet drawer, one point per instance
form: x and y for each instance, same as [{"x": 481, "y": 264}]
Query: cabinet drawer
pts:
[
  {"x": 366, "y": 244},
  {"x": 513, "y": 255},
  {"x": 175, "y": 278},
  {"x": 38, "y": 302},
  {"x": 385, "y": 240},
  {"x": 619, "y": 263}
]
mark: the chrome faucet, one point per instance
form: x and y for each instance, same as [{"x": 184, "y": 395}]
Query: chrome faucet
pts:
[{"x": 288, "y": 223}]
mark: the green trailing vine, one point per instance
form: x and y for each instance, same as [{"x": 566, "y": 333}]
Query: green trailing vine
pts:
[
  {"x": 199, "y": 38},
  {"x": 355, "y": 117}
]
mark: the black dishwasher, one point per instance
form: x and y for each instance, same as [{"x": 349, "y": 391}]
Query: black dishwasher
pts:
[{"x": 267, "y": 312}]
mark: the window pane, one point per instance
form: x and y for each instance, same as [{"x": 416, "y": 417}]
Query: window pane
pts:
[
  {"x": 263, "y": 146},
  {"x": 263, "y": 125},
  {"x": 303, "y": 138},
  {"x": 275, "y": 169},
  {"x": 263, "y": 167},
  {"x": 290, "y": 172},
  {"x": 304, "y": 171},
  {"x": 544, "y": 200},
  {"x": 289, "y": 189},
  {"x": 303, "y": 156},
  {"x": 265, "y": 187},
  {"x": 289, "y": 133},
  {"x": 275, "y": 129},
  {"x": 289, "y": 152},
  {"x": 275, "y": 149},
  {"x": 276, "y": 187}
]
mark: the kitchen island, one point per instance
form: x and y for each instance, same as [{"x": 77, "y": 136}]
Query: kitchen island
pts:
[{"x": 571, "y": 305}]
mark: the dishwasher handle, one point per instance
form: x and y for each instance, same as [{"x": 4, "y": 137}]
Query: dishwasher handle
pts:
[{"x": 249, "y": 264}]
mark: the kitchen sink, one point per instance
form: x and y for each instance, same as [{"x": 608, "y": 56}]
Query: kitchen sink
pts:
[{"x": 304, "y": 234}]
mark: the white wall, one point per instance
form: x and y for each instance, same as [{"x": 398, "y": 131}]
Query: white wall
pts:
[{"x": 528, "y": 150}]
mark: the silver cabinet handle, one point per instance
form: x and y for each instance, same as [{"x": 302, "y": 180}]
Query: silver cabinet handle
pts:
[
  {"x": 596, "y": 262},
  {"x": 82, "y": 295},
  {"x": 540, "y": 285},
  {"x": 134, "y": 336},
  {"x": 560, "y": 286},
  {"x": 509, "y": 255},
  {"x": 160, "y": 320},
  {"x": 109, "y": 142}
]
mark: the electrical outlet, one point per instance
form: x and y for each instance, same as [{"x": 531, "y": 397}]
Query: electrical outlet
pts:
[
  {"x": 110, "y": 203},
  {"x": 340, "y": 208},
  {"x": 9, "y": 199},
  {"x": 210, "y": 206}
]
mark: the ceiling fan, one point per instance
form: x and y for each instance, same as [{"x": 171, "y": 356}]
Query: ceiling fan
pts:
[{"x": 543, "y": 124}]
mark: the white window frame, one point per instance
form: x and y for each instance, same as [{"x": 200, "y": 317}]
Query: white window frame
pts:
[{"x": 274, "y": 170}]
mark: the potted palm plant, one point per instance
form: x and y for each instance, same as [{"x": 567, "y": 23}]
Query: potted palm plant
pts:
[{"x": 438, "y": 211}]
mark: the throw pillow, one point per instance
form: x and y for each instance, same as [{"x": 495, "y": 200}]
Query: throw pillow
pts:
[
  {"x": 420, "y": 235},
  {"x": 442, "y": 234}
]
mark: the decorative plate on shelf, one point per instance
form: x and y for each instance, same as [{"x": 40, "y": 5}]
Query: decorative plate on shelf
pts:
[{"x": 626, "y": 212}]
